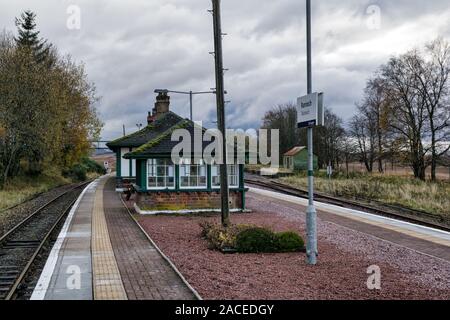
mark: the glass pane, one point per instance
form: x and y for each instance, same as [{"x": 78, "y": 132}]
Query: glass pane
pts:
[
  {"x": 194, "y": 170},
  {"x": 170, "y": 182},
  {"x": 184, "y": 181},
  {"x": 160, "y": 182},
  {"x": 193, "y": 181},
  {"x": 202, "y": 181},
  {"x": 203, "y": 171},
  {"x": 161, "y": 171},
  {"x": 171, "y": 172},
  {"x": 151, "y": 182}
]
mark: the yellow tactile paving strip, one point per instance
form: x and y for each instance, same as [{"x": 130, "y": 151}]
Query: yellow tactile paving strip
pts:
[{"x": 107, "y": 282}]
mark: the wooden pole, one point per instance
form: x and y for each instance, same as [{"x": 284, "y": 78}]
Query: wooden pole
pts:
[{"x": 220, "y": 97}]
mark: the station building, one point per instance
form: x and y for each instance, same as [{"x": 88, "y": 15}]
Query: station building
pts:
[{"x": 144, "y": 161}]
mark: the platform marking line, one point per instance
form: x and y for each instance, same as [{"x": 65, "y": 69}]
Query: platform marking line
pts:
[
  {"x": 41, "y": 288},
  {"x": 422, "y": 232},
  {"x": 107, "y": 281}
]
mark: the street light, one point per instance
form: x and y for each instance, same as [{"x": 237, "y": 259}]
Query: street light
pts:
[
  {"x": 139, "y": 125},
  {"x": 190, "y": 93}
]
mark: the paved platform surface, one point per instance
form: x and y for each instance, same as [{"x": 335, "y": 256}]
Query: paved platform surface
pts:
[
  {"x": 67, "y": 274},
  {"x": 102, "y": 254},
  {"x": 422, "y": 239},
  {"x": 145, "y": 273}
]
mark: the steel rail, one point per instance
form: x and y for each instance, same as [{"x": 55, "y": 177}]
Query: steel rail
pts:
[
  {"x": 30, "y": 262},
  {"x": 36, "y": 211},
  {"x": 26, "y": 268}
]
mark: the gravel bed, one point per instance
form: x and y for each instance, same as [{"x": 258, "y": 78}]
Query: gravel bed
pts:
[
  {"x": 10, "y": 217},
  {"x": 344, "y": 258}
]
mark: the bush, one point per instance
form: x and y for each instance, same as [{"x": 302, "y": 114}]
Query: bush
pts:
[
  {"x": 221, "y": 238},
  {"x": 289, "y": 242},
  {"x": 249, "y": 239},
  {"x": 256, "y": 240},
  {"x": 92, "y": 166},
  {"x": 78, "y": 173}
]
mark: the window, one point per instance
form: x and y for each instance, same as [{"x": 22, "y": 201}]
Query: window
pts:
[
  {"x": 233, "y": 176},
  {"x": 192, "y": 175},
  {"x": 161, "y": 174}
]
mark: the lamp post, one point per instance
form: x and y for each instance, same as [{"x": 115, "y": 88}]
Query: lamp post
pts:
[{"x": 190, "y": 93}]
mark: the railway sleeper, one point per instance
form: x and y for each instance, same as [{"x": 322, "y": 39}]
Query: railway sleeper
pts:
[{"x": 21, "y": 244}]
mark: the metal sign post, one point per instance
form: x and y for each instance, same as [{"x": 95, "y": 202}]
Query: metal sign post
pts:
[{"x": 311, "y": 214}]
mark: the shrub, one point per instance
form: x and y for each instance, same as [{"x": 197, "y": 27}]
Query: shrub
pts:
[
  {"x": 221, "y": 238},
  {"x": 249, "y": 238},
  {"x": 256, "y": 240},
  {"x": 78, "y": 172},
  {"x": 92, "y": 166},
  {"x": 289, "y": 242}
]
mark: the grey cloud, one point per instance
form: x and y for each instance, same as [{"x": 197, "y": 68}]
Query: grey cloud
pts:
[{"x": 132, "y": 47}]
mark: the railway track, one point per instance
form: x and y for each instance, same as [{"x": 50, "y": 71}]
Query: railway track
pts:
[
  {"x": 22, "y": 245},
  {"x": 391, "y": 211}
]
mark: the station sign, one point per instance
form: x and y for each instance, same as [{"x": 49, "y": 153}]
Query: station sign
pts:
[{"x": 310, "y": 111}]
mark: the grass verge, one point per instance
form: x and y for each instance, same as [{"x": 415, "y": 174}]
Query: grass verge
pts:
[
  {"x": 22, "y": 188},
  {"x": 403, "y": 191}
]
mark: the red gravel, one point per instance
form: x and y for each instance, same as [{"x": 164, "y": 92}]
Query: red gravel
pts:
[{"x": 344, "y": 258}]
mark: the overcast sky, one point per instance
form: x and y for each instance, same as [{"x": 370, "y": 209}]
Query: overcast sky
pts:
[{"x": 131, "y": 47}]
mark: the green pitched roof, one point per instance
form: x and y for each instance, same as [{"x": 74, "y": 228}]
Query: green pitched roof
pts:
[
  {"x": 163, "y": 144},
  {"x": 152, "y": 131}
]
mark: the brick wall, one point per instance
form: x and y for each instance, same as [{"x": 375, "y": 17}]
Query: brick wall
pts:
[{"x": 179, "y": 200}]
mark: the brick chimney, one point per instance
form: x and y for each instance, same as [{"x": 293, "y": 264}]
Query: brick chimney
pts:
[{"x": 162, "y": 104}]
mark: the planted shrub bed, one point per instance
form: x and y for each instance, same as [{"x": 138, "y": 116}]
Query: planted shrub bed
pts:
[{"x": 250, "y": 239}]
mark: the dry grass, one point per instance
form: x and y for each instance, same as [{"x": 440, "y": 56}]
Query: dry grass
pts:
[
  {"x": 23, "y": 188},
  {"x": 430, "y": 197}
]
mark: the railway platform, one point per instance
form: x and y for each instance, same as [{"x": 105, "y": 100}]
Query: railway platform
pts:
[
  {"x": 425, "y": 240},
  {"x": 102, "y": 254}
]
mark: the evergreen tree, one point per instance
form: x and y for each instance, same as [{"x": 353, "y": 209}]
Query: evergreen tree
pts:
[{"x": 29, "y": 37}]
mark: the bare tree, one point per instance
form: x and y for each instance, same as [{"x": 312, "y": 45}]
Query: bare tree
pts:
[
  {"x": 407, "y": 108},
  {"x": 284, "y": 118},
  {"x": 431, "y": 72},
  {"x": 330, "y": 139},
  {"x": 374, "y": 112},
  {"x": 364, "y": 135}
]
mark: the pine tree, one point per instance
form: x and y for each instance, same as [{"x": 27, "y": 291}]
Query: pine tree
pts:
[{"x": 29, "y": 37}]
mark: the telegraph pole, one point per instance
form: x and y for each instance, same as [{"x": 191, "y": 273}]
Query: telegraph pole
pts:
[
  {"x": 311, "y": 214},
  {"x": 220, "y": 97}
]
